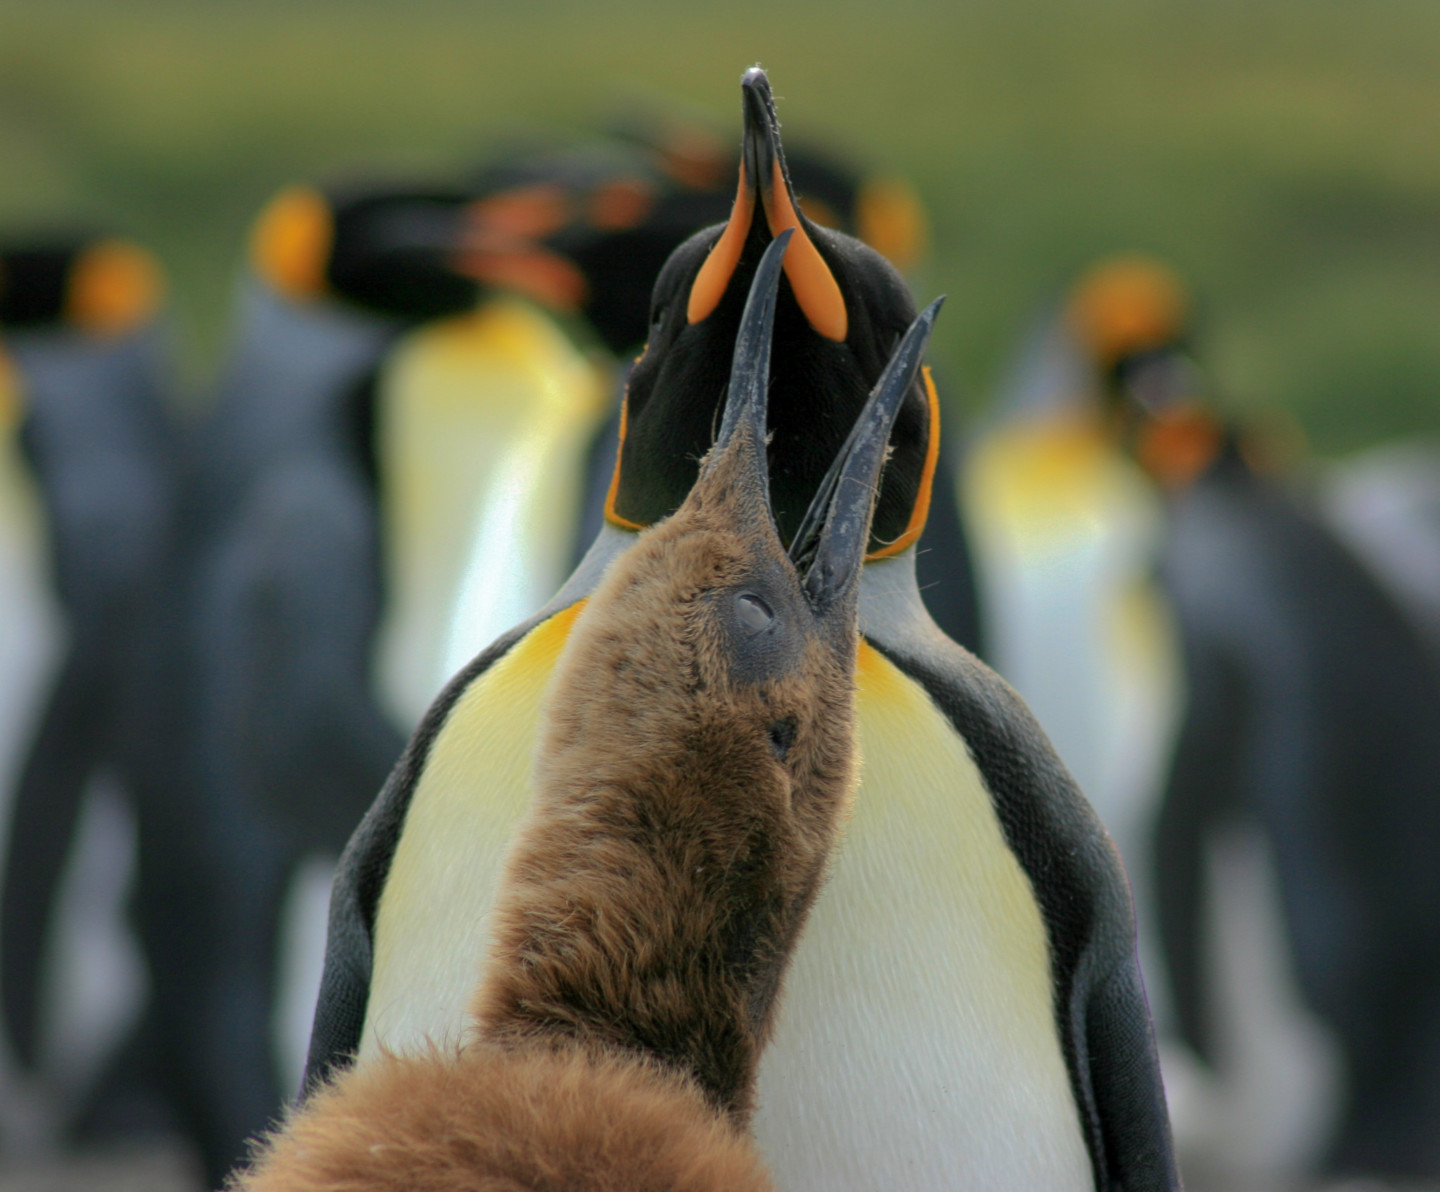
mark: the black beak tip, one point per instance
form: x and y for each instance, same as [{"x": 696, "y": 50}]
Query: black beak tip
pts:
[
  {"x": 746, "y": 398},
  {"x": 925, "y": 324},
  {"x": 762, "y": 128}
]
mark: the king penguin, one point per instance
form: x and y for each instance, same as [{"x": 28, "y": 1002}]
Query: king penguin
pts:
[
  {"x": 88, "y": 464},
  {"x": 966, "y": 1008},
  {"x": 1300, "y": 791},
  {"x": 587, "y": 228},
  {"x": 1072, "y": 530}
]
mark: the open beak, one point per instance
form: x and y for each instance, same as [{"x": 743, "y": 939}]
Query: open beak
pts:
[
  {"x": 829, "y": 548},
  {"x": 738, "y": 456},
  {"x": 765, "y": 191}
]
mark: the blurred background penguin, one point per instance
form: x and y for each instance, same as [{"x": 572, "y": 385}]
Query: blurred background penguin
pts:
[
  {"x": 88, "y": 460},
  {"x": 369, "y": 398},
  {"x": 1277, "y": 772}
]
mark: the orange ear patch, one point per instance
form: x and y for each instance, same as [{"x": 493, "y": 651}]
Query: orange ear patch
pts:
[
  {"x": 815, "y": 287},
  {"x": 1176, "y": 448},
  {"x": 291, "y": 242},
  {"x": 290, "y": 247},
  {"x": 1126, "y": 305},
  {"x": 548, "y": 278},
  {"x": 525, "y": 213},
  {"x": 920, "y": 512},
  {"x": 620, "y": 204},
  {"x": 719, "y": 267},
  {"x": 113, "y": 288},
  {"x": 890, "y": 219}
]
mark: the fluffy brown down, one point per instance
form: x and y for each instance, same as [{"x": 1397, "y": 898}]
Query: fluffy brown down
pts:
[
  {"x": 496, "y": 1120},
  {"x": 657, "y": 890}
]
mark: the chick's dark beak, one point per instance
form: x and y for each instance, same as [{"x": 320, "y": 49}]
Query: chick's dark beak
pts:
[
  {"x": 765, "y": 187},
  {"x": 829, "y": 548},
  {"x": 738, "y": 457}
]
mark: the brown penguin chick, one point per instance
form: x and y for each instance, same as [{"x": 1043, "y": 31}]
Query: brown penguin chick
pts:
[
  {"x": 689, "y": 790},
  {"x": 697, "y": 761}
]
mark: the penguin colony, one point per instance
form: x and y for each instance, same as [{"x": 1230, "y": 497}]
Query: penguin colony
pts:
[{"x": 411, "y": 448}]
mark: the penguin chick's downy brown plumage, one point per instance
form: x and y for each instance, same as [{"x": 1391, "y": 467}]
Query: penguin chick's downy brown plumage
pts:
[{"x": 698, "y": 757}]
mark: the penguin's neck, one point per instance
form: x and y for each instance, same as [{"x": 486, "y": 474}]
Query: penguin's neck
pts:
[{"x": 607, "y": 942}]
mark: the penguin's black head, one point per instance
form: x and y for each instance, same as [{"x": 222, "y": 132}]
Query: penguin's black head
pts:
[
  {"x": 842, "y": 309},
  {"x": 94, "y": 284},
  {"x": 388, "y": 249},
  {"x": 1132, "y": 316}
]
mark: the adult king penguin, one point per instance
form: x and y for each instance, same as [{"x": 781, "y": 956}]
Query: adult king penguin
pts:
[
  {"x": 703, "y": 850},
  {"x": 966, "y": 1009},
  {"x": 587, "y": 229}
]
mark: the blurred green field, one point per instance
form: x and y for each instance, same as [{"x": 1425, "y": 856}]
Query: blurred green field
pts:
[{"x": 1285, "y": 154}]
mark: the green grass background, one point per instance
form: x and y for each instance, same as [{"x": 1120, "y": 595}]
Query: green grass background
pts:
[{"x": 1285, "y": 154}]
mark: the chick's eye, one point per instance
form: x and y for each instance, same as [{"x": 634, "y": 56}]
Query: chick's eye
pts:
[
  {"x": 657, "y": 315},
  {"x": 753, "y": 613}
]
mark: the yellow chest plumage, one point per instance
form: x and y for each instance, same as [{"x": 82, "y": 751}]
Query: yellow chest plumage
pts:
[
  {"x": 916, "y": 1045},
  {"x": 430, "y": 932}
]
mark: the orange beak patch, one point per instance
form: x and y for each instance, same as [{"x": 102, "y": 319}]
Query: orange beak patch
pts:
[
  {"x": 815, "y": 287},
  {"x": 719, "y": 267}
]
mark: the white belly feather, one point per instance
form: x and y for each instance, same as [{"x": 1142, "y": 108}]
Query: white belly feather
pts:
[
  {"x": 32, "y": 623},
  {"x": 916, "y": 1045}
]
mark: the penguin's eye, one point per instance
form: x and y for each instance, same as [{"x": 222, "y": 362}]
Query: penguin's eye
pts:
[
  {"x": 753, "y": 613},
  {"x": 782, "y": 736}
]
